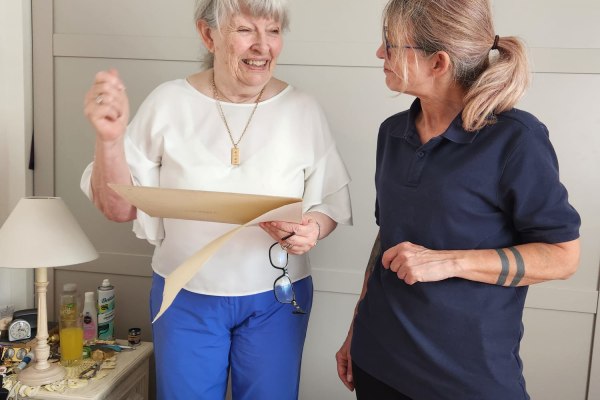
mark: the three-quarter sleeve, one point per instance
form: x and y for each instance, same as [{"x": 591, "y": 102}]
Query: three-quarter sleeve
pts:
[
  {"x": 326, "y": 188},
  {"x": 326, "y": 179},
  {"x": 143, "y": 150}
]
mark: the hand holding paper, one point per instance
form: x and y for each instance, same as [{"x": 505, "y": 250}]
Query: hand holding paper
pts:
[{"x": 233, "y": 208}]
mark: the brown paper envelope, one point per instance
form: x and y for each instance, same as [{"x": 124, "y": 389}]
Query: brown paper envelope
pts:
[{"x": 231, "y": 208}]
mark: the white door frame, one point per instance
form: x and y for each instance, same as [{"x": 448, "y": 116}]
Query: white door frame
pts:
[{"x": 594, "y": 375}]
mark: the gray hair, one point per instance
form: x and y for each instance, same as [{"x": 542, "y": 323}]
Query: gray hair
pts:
[
  {"x": 218, "y": 12},
  {"x": 495, "y": 81}
]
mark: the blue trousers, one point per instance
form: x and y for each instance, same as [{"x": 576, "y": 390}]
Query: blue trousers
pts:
[{"x": 200, "y": 339}]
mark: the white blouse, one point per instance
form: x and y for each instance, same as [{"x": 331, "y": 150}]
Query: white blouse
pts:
[{"x": 178, "y": 140}]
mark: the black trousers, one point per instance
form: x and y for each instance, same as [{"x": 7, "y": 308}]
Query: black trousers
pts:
[{"x": 369, "y": 388}]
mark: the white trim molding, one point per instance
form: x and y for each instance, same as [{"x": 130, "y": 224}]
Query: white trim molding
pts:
[
  {"x": 16, "y": 286},
  {"x": 350, "y": 282},
  {"x": 545, "y": 60}
]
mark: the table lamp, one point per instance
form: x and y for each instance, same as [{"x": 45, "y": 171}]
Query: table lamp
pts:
[{"x": 41, "y": 233}]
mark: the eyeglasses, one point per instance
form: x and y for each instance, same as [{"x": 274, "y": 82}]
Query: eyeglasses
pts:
[
  {"x": 389, "y": 46},
  {"x": 282, "y": 287}
]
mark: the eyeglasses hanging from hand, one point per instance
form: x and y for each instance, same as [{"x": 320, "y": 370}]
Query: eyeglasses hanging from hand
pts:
[{"x": 283, "y": 287}]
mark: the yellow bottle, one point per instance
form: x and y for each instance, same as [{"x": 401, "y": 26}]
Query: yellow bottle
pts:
[
  {"x": 71, "y": 345},
  {"x": 71, "y": 329}
]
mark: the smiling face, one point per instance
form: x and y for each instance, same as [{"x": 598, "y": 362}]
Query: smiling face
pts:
[{"x": 245, "y": 51}]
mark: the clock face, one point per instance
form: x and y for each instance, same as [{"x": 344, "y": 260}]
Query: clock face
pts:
[
  {"x": 19, "y": 330},
  {"x": 9, "y": 353}
]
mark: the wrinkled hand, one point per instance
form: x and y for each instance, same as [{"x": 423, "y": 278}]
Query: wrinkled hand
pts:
[
  {"x": 413, "y": 263},
  {"x": 303, "y": 237},
  {"x": 106, "y": 106},
  {"x": 344, "y": 363}
]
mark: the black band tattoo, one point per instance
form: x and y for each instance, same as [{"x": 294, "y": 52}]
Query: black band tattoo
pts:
[
  {"x": 520, "y": 267},
  {"x": 504, "y": 272}
]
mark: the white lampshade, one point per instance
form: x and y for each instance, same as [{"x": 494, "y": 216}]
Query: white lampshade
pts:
[{"x": 42, "y": 232}]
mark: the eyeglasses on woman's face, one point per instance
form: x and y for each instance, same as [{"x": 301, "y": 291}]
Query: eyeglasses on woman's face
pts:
[
  {"x": 389, "y": 46},
  {"x": 283, "y": 287}
]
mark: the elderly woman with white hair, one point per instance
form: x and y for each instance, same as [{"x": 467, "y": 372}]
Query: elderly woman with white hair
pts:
[{"x": 232, "y": 127}]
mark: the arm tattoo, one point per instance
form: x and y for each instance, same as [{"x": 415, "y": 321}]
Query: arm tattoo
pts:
[
  {"x": 504, "y": 272},
  {"x": 520, "y": 266},
  {"x": 374, "y": 255},
  {"x": 370, "y": 267}
]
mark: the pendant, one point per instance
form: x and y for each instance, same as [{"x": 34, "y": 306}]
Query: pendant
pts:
[{"x": 235, "y": 156}]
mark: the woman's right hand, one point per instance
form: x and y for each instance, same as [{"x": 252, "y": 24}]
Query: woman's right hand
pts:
[
  {"x": 106, "y": 106},
  {"x": 344, "y": 363}
]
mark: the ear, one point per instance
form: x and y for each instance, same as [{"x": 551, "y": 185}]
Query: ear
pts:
[
  {"x": 206, "y": 33},
  {"x": 440, "y": 63}
]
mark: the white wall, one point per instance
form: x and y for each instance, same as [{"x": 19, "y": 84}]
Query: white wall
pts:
[
  {"x": 330, "y": 53},
  {"x": 15, "y": 132}
]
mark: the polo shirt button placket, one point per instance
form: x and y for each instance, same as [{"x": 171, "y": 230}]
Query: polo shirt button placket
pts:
[{"x": 414, "y": 175}]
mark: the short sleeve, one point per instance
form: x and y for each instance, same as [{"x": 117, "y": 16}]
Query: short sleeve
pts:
[{"x": 531, "y": 192}]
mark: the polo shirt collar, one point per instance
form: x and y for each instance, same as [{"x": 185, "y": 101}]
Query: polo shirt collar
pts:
[{"x": 454, "y": 133}]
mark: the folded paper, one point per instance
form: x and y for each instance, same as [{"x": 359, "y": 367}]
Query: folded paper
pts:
[{"x": 232, "y": 208}]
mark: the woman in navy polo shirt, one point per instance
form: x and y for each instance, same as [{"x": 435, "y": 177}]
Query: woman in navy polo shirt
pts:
[{"x": 470, "y": 211}]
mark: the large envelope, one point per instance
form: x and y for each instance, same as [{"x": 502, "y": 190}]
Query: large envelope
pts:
[{"x": 234, "y": 208}]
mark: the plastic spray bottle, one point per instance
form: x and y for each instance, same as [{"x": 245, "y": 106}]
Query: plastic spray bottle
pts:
[{"x": 90, "y": 318}]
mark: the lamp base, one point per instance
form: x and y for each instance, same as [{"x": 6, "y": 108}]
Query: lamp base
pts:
[{"x": 38, "y": 377}]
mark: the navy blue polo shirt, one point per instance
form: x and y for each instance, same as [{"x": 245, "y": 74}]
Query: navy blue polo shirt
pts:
[{"x": 457, "y": 339}]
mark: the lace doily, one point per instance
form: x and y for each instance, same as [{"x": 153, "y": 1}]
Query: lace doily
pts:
[{"x": 71, "y": 380}]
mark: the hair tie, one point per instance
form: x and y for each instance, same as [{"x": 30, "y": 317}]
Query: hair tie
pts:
[{"x": 495, "y": 45}]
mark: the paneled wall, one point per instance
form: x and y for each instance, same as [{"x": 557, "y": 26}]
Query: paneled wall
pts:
[
  {"x": 330, "y": 52},
  {"x": 16, "y": 286}
]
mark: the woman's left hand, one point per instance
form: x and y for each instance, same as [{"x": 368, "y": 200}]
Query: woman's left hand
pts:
[
  {"x": 304, "y": 236},
  {"x": 413, "y": 263}
]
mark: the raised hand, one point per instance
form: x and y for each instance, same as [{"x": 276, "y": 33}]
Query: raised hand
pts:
[{"x": 106, "y": 106}]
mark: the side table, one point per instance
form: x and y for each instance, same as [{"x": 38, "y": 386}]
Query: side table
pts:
[{"x": 128, "y": 381}]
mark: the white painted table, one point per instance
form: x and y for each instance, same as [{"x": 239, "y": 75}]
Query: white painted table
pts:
[{"x": 128, "y": 381}]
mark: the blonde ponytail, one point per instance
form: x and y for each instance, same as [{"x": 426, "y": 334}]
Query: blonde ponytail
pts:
[{"x": 499, "y": 87}]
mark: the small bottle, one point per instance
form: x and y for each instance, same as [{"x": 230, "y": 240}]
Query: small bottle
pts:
[
  {"x": 70, "y": 329},
  {"x": 25, "y": 361},
  {"x": 90, "y": 318},
  {"x": 106, "y": 311}
]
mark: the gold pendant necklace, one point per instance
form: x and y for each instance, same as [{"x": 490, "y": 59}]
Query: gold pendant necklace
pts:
[{"x": 235, "y": 150}]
